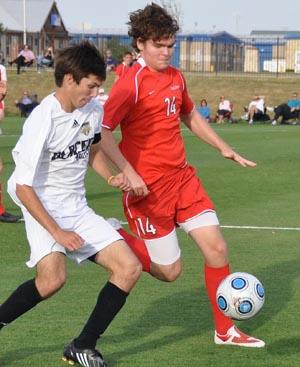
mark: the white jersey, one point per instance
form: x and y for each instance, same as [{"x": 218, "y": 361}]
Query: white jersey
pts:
[{"x": 52, "y": 154}]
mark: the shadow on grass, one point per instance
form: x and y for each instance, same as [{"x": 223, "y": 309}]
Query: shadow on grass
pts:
[
  {"x": 20, "y": 354},
  {"x": 191, "y": 316}
]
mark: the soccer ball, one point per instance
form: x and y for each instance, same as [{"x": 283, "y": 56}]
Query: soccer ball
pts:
[{"x": 240, "y": 296}]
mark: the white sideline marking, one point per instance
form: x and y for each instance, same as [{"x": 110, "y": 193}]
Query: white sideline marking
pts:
[
  {"x": 252, "y": 227},
  {"x": 264, "y": 228}
]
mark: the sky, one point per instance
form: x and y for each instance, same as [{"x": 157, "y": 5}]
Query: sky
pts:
[{"x": 238, "y": 17}]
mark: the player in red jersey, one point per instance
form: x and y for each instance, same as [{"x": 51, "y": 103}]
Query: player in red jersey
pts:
[
  {"x": 149, "y": 103},
  {"x": 122, "y": 68}
]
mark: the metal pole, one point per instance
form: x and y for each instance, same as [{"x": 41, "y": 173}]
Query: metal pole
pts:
[{"x": 24, "y": 22}]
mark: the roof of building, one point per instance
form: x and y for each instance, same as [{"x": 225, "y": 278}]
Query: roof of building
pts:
[
  {"x": 275, "y": 33},
  {"x": 37, "y": 11}
]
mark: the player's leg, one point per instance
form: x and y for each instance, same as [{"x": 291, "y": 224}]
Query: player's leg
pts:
[
  {"x": 151, "y": 218},
  {"x": 196, "y": 216},
  {"x": 136, "y": 244},
  {"x": 214, "y": 249},
  {"x": 50, "y": 278},
  {"x": 105, "y": 247},
  {"x": 160, "y": 257}
]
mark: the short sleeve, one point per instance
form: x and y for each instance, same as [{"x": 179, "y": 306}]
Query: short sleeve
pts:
[
  {"x": 187, "y": 103},
  {"x": 29, "y": 149},
  {"x": 118, "y": 105}
]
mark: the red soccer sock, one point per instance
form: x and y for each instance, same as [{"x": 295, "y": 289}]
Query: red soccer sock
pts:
[
  {"x": 138, "y": 247},
  {"x": 2, "y": 209},
  {"x": 213, "y": 277}
]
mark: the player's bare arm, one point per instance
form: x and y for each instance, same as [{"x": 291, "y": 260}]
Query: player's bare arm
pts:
[
  {"x": 110, "y": 148},
  {"x": 70, "y": 240},
  {"x": 201, "y": 128},
  {"x": 100, "y": 165}
]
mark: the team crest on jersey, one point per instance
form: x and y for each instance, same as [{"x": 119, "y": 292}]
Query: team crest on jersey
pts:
[{"x": 85, "y": 128}]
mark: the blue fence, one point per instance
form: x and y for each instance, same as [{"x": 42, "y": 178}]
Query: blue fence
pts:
[{"x": 218, "y": 53}]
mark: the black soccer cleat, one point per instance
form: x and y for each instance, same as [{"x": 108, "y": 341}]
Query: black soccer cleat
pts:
[
  {"x": 85, "y": 357},
  {"x": 10, "y": 218}
]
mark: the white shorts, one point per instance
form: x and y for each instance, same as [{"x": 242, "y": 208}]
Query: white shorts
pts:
[
  {"x": 165, "y": 250},
  {"x": 93, "y": 228}
]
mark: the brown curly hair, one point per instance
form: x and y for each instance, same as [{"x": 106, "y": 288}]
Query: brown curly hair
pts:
[{"x": 152, "y": 22}]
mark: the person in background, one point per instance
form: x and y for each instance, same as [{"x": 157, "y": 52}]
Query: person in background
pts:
[
  {"x": 45, "y": 60},
  {"x": 25, "y": 58},
  {"x": 24, "y": 104},
  {"x": 2, "y": 59},
  {"x": 224, "y": 110},
  {"x": 5, "y": 216},
  {"x": 101, "y": 96},
  {"x": 3, "y": 89},
  {"x": 256, "y": 109},
  {"x": 122, "y": 68},
  {"x": 110, "y": 61},
  {"x": 287, "y": 111},
  {"x": 204, "y": 110}
]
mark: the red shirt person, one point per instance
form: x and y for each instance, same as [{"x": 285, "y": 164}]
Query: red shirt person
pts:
[
  {"x": 149, "y": 103},
  {"x": 122, "y": 68}
]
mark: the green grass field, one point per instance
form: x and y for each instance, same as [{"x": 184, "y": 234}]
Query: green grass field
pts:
[
  {"x": 171, "y": 324},
  {"x": 238, "y": 89}
]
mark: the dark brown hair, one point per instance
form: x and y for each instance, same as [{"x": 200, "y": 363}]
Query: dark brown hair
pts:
[
  {"x": 80, "y": 60},
  {"x": 152, "y": 22}
]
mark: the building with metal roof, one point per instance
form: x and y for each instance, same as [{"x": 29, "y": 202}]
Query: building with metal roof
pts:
[{"x": 38, "y": 24}]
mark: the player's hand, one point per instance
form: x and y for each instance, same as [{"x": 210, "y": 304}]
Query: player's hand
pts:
[
  {"x": 68, "y": 239},
  {"x": 120, "y": 181},
  {"x": 231, "y": 154},
  {"x": 138, "y": 186}
]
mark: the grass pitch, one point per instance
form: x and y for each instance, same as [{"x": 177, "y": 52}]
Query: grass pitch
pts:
[{"x": 170, "y": 324}]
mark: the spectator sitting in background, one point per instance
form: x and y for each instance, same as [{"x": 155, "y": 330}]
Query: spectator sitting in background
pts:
[
  {"x": 47, "y": 59},
  {"x": 287, "y": 111},
  {"x": 35, "y": 101},
  {"x": 24, "y": 58},
  {"x": 110, "y": 62},
  {"x": 204, "y": 110},
  {"x": 25, "y": 104},
  {"x": 101, "y": 96},
  {"x": 224, "y": 110},
  {"x": 256, "y": 109},
  {"x": 122, "y": 68}
]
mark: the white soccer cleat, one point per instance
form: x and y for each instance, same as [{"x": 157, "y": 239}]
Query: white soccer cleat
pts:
[
  {"x": 235, "y": 337},
  {"x": 274, "y": 122},
  {"x": 115, "y": 223}
]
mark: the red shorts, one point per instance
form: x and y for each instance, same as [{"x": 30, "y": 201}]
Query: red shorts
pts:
[
  {"x": 1, "y": 105},
  {"x": 173, "y": 199}
]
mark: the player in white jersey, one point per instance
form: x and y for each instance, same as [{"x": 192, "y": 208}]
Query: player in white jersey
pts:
[{"x": 60, "y": 138}]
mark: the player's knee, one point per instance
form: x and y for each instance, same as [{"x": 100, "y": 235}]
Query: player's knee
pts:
[
  {"x": 48, "y": 287},
  {"x": 130, "y": 271},
  {"x": 134, "y": 270},
  {"x": 219, "y": 250},
  {"x": 166, "y": 273}
]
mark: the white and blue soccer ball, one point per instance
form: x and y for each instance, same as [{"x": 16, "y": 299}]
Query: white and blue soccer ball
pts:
[{"x": 240, "y": 296}]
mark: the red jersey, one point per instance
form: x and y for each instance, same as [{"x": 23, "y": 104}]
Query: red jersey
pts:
[
  {"x": 147, "y": 105},
  {"x": 121, "y": 69}
]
